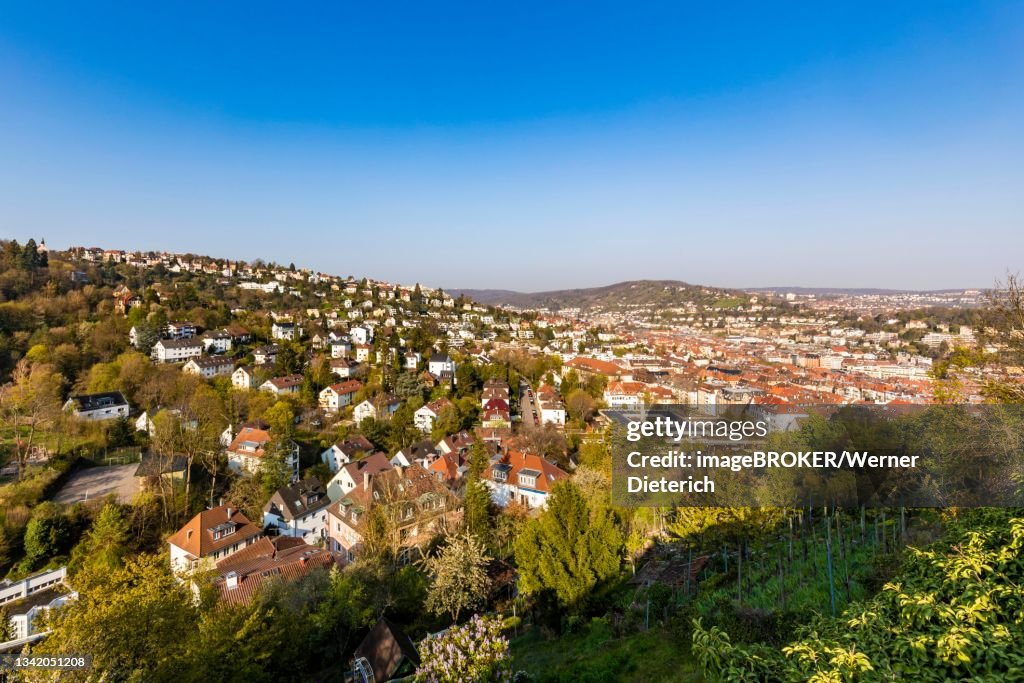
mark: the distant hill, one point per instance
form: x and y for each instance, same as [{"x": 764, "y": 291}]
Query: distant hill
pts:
[{"x": 630, "y": 294}]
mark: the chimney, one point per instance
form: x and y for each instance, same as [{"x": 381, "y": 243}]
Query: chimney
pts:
[
  {"x": 232, "y": 580},
  {"x": 228, "y": 512},
  {"x": 366, "y": 481}
]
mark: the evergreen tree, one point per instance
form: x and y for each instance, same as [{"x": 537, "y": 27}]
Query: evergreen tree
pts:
[
  {"x": 106, "y": 543},
  {"x": 567, "y": 550}
]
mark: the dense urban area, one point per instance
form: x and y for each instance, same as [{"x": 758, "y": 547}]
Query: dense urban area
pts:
[{"x": 217, "y": 470}]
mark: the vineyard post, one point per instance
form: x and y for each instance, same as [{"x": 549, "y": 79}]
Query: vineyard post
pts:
[{"x": 828, "y": 555}]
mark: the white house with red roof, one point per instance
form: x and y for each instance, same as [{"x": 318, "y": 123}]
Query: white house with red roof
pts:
[
  {"x": 247, "y": 449},
  {"x": 524, "y": 478},
  {"x": 337, "y": 396}
]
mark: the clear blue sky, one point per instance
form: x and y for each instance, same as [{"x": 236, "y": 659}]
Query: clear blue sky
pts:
[{"x": 526, "y": 145}]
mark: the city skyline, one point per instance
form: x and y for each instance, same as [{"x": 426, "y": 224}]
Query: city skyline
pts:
[{"x": 550, "y": 149}]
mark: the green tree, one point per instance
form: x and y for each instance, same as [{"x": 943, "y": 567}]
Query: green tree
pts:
[
  {"x": 105, "y": 546},
  {"x": 6, "y": 627},
  {"x": 133, "y": 621},
  {"x": 46, "y": 535},
  {"x": 477, "y": 508},
  {"x": 281, "y": 418},
  {"x": 567, "y": 550},
  {"x": 274, "y": 470}
]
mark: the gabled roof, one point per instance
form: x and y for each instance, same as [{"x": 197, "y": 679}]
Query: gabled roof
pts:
[
  {"x": 153, "y": 465},
  {"x": 298, "y": 499},
  {"x": 251, "y": 441},
  {"x": 349, "y": 387},
  {"x": 286, "y": 382},
  {"x": 268, "y": 559},
  {"x": 372, "y": 464},
  {"x": 197, "y": 536},
  {"x": 420, "y": 449},
  {"x": 530, "y": 464},
  {"x": 386, "y": 649}
]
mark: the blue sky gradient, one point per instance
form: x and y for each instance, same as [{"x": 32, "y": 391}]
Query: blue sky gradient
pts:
[{"x": 526, "y": 146}]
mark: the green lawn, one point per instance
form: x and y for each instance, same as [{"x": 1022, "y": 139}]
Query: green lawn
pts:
[{"x": 594, "y": 656}]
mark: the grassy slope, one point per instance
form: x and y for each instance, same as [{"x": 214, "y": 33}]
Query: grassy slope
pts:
[{"x": 593, "y": 656}]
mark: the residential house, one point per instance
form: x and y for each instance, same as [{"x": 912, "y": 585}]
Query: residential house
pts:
[
  {"x": 249, "y": 446},
  {"x": 361, "y": 335},
  {"x": 494, "y": 389},
  {"x": 362, "y": 352},
  {"x": 28, "y": 600},
  {"x": 176, "y": 350},
  {"x": 345, "y": 452},
  {"x": 285, "y": 329},
  {"x": 421, "y": 453},
  {"x": 280, "y": 386},
  {"x": 337, "y": 396},
  {"x": 380, "y": 407},
  {"x": 239, "y": 335},
  {"x": 345, "y": 368},
  {"x": 456, "y": 443},
  {"x": 266, "y": 355},
  {"x": 243, "y": 378},
  {"x": 182, "y": 329},
  {"x": 418, "y": 505},
  {"x": 109, "y": 405},
  {"x": 441, "y": 367},
  {"x": 213, "y": 366},
  {"x": 425, "y": 417},
  {"x": 552, "y": 410},
  {"x": 217, "y": 341},
  {"x": 352, "y": 474},
  {"x": 240, "y": 576},
  {"x": 520, "y": 477},
  {"x": 211, "y": 536},
  {"x": 299, "y": 510},
  {"x": 154, "y": 468},
  {"x": 340, "y": 348}
]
